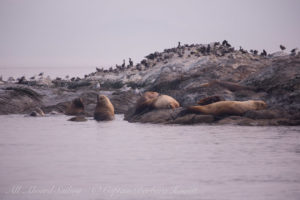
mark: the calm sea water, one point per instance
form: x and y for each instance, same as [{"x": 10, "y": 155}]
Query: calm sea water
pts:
[
  {"x": 52, "y": 158},
  {"x": 53, "y": 72}
]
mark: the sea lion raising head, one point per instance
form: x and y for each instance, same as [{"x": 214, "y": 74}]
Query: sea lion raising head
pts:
[
  {"x": 104, "y": 110},
  {"x": 145, "y": 101},
  {"x": 75, "y": 108}
]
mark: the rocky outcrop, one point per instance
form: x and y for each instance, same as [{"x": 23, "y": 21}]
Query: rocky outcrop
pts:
[{"x": 187, "y": 73}]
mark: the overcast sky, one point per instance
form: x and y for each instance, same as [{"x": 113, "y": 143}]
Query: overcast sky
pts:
[{"x": 46, "y": 33}]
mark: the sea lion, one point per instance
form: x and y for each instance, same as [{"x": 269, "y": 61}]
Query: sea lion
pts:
[
  {"x": 37, "y": 112},
  {"x": 145, "y": 101},
  {"x": 76, "y": 107},
  {"x": 209, "y": 100},
  {"x": 153, "y": 100},
  {"x": 104, "y": 110},
  {"x": 165, "y": 102},
  {"x": 229, "y": 107}
]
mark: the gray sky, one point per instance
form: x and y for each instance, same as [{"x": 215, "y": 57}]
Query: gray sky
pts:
[{"x": 46, "y": 33}]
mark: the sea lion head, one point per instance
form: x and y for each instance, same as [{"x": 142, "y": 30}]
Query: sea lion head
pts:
[
  {"x": 75, "y": 108},
  {"x": 78, "y": 103},
  {"x": 102, "y": 100},
  {"x": 260, "y": 105},
  {"x": 145, "y": 101}
]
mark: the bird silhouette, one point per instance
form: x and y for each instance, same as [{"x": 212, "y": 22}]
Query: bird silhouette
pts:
[{"x": 282, "y": 47}]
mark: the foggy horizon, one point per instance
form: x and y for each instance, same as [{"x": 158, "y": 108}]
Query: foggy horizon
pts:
[{"x": 103, "y": 33}]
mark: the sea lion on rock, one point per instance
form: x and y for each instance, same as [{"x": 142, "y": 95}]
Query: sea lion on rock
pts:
[
  {"x": 229, "y": 107},
  {"x": 76, "y": 107},
  {"x": 145, "y": 101},
  {"x": 37, "y": 112},
  {"x": 153, "y": 100},
  {"x": 165, "y": 102},
  {"x": 104, "y": 110}
]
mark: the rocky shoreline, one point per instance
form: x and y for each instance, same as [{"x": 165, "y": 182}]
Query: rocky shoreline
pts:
[{"x": 188, "y": 73}]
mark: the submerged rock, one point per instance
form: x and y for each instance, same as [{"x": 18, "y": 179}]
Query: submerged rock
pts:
[{"x": 78, "y": 119}]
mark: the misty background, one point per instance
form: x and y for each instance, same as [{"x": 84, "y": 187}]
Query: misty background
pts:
[{"x": 80, "y": 33}]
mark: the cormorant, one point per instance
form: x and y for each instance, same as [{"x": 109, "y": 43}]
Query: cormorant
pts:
[
  {"x": 264, "y": 53},
  {"x": 208, "y": 49},
  {"x": 225, "y": 43},
  {"x": 130, "y": 62},
  {"x": 282, "y": 47},
  {"x": 293, "y": 51},
  {"x": 123, "y": 65}
]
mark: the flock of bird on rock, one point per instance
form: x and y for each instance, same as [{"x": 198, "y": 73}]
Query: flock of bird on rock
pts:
[
  {"x": 218, "y": 49},
  {"x": 197, "y": 50}
]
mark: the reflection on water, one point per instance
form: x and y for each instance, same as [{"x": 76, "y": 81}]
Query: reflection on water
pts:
[{"x": 52, "y": 158}]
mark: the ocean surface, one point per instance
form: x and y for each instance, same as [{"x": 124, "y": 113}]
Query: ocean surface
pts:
[
  {"x": 52, "y": 158},
  {"x": 53, "y": 72}
]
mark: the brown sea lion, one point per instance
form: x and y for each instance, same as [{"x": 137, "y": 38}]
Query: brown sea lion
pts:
[
  {"x": 165, "y": 102},
  {"x": 209, "y": 100},
  {"x": 145, "y": 101},
  {"x": 37, "y": 112},
  {"x": 229, "y": 107},
  {"x": 75, "y": 108},
  {"x": 104, "y": 110},
  {"x": 153, "y": 100}
]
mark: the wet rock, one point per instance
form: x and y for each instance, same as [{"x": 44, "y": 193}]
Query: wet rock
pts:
[
  {"x": 193, "y": 119},
  {"x": 155, "y": 117},
  {"x": 78, "y": 119},
  {"x": 238, "y": 120},
  {"x": 264, "y": 114},
  {"x": 19, "y": 99}
]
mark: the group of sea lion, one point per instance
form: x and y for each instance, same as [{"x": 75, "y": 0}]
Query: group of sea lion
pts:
[
  {"x": 104, "y": 110},
  {"x": 214, "y": 105}
]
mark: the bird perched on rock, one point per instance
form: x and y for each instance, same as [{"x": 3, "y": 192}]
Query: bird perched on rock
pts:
[
  {"x": 242, "y": 50},
  {"x": 294, "y": 51},
  {"x": 225, "y": 43},
  {"x": 264, "y": 53},
  {"x": 208, "y": 49},
  {"x": 282, "y": 47},
  {"x": 41, "y": 74},
  {"x": 123, "y": 65},
  {"x": 130, "y": 62},
  {"x": 179, "y": 44}
]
